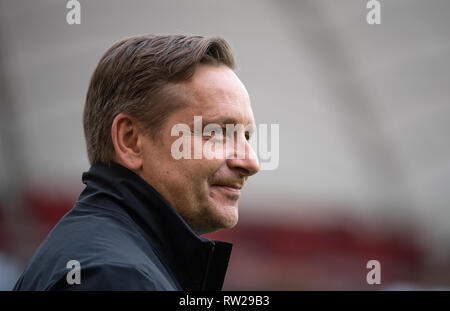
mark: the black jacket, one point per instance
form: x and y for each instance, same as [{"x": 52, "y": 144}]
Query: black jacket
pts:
[{"x": 126, "y": 236}]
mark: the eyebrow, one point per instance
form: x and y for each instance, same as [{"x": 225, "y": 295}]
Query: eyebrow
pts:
[{"x": 221, "y": 121}]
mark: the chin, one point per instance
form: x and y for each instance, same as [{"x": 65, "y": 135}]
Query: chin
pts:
[
  {"x": 218, "y": 216},
  {"x": 227, "y": 216}
]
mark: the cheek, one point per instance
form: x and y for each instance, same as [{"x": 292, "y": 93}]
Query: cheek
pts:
[
  {"x": 196, "y": 173},
  {"x": 189, "y": 176},
  {"x": 200, "y": 174}
]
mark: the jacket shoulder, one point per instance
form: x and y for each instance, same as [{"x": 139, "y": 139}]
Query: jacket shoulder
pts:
[
  {"x": 112, "y": 252},
  {"x": 109, "y": 277}
]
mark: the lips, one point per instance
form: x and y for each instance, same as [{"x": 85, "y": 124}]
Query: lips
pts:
[
  {"x": 234, "y": 186},
  {"x": 230, "y": 188}
]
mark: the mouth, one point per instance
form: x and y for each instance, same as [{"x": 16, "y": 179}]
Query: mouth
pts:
[{"x": 230, "y": 189}]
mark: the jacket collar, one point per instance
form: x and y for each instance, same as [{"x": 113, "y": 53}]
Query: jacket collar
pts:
[{"x": 197, "y": 262}]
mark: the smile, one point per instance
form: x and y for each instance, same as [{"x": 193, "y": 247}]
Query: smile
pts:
[{"x": 229, "y": 190}]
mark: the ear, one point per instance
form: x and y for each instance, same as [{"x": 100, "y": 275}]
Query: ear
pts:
[{"x": 127, "y": 141}]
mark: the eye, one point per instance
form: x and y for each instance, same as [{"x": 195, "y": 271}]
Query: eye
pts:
[{"x": 215, "y": 134}]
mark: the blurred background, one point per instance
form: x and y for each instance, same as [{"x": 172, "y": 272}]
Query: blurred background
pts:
[{"x": 364, "y": 115}]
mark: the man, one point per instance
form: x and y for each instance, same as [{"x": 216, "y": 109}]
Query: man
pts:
[{"x": 138, "y": 223}]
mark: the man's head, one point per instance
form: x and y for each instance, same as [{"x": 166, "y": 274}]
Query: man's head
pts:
[{"x": 142, "y": 87}]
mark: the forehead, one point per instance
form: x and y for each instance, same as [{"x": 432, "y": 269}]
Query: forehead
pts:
[{"x": 217, "y": 94}]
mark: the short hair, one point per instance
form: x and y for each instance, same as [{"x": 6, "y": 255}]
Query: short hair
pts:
[{"x": 135, "y": 77}]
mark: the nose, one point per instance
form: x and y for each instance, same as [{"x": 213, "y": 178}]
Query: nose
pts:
[{"x": 247, "y": 165}]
